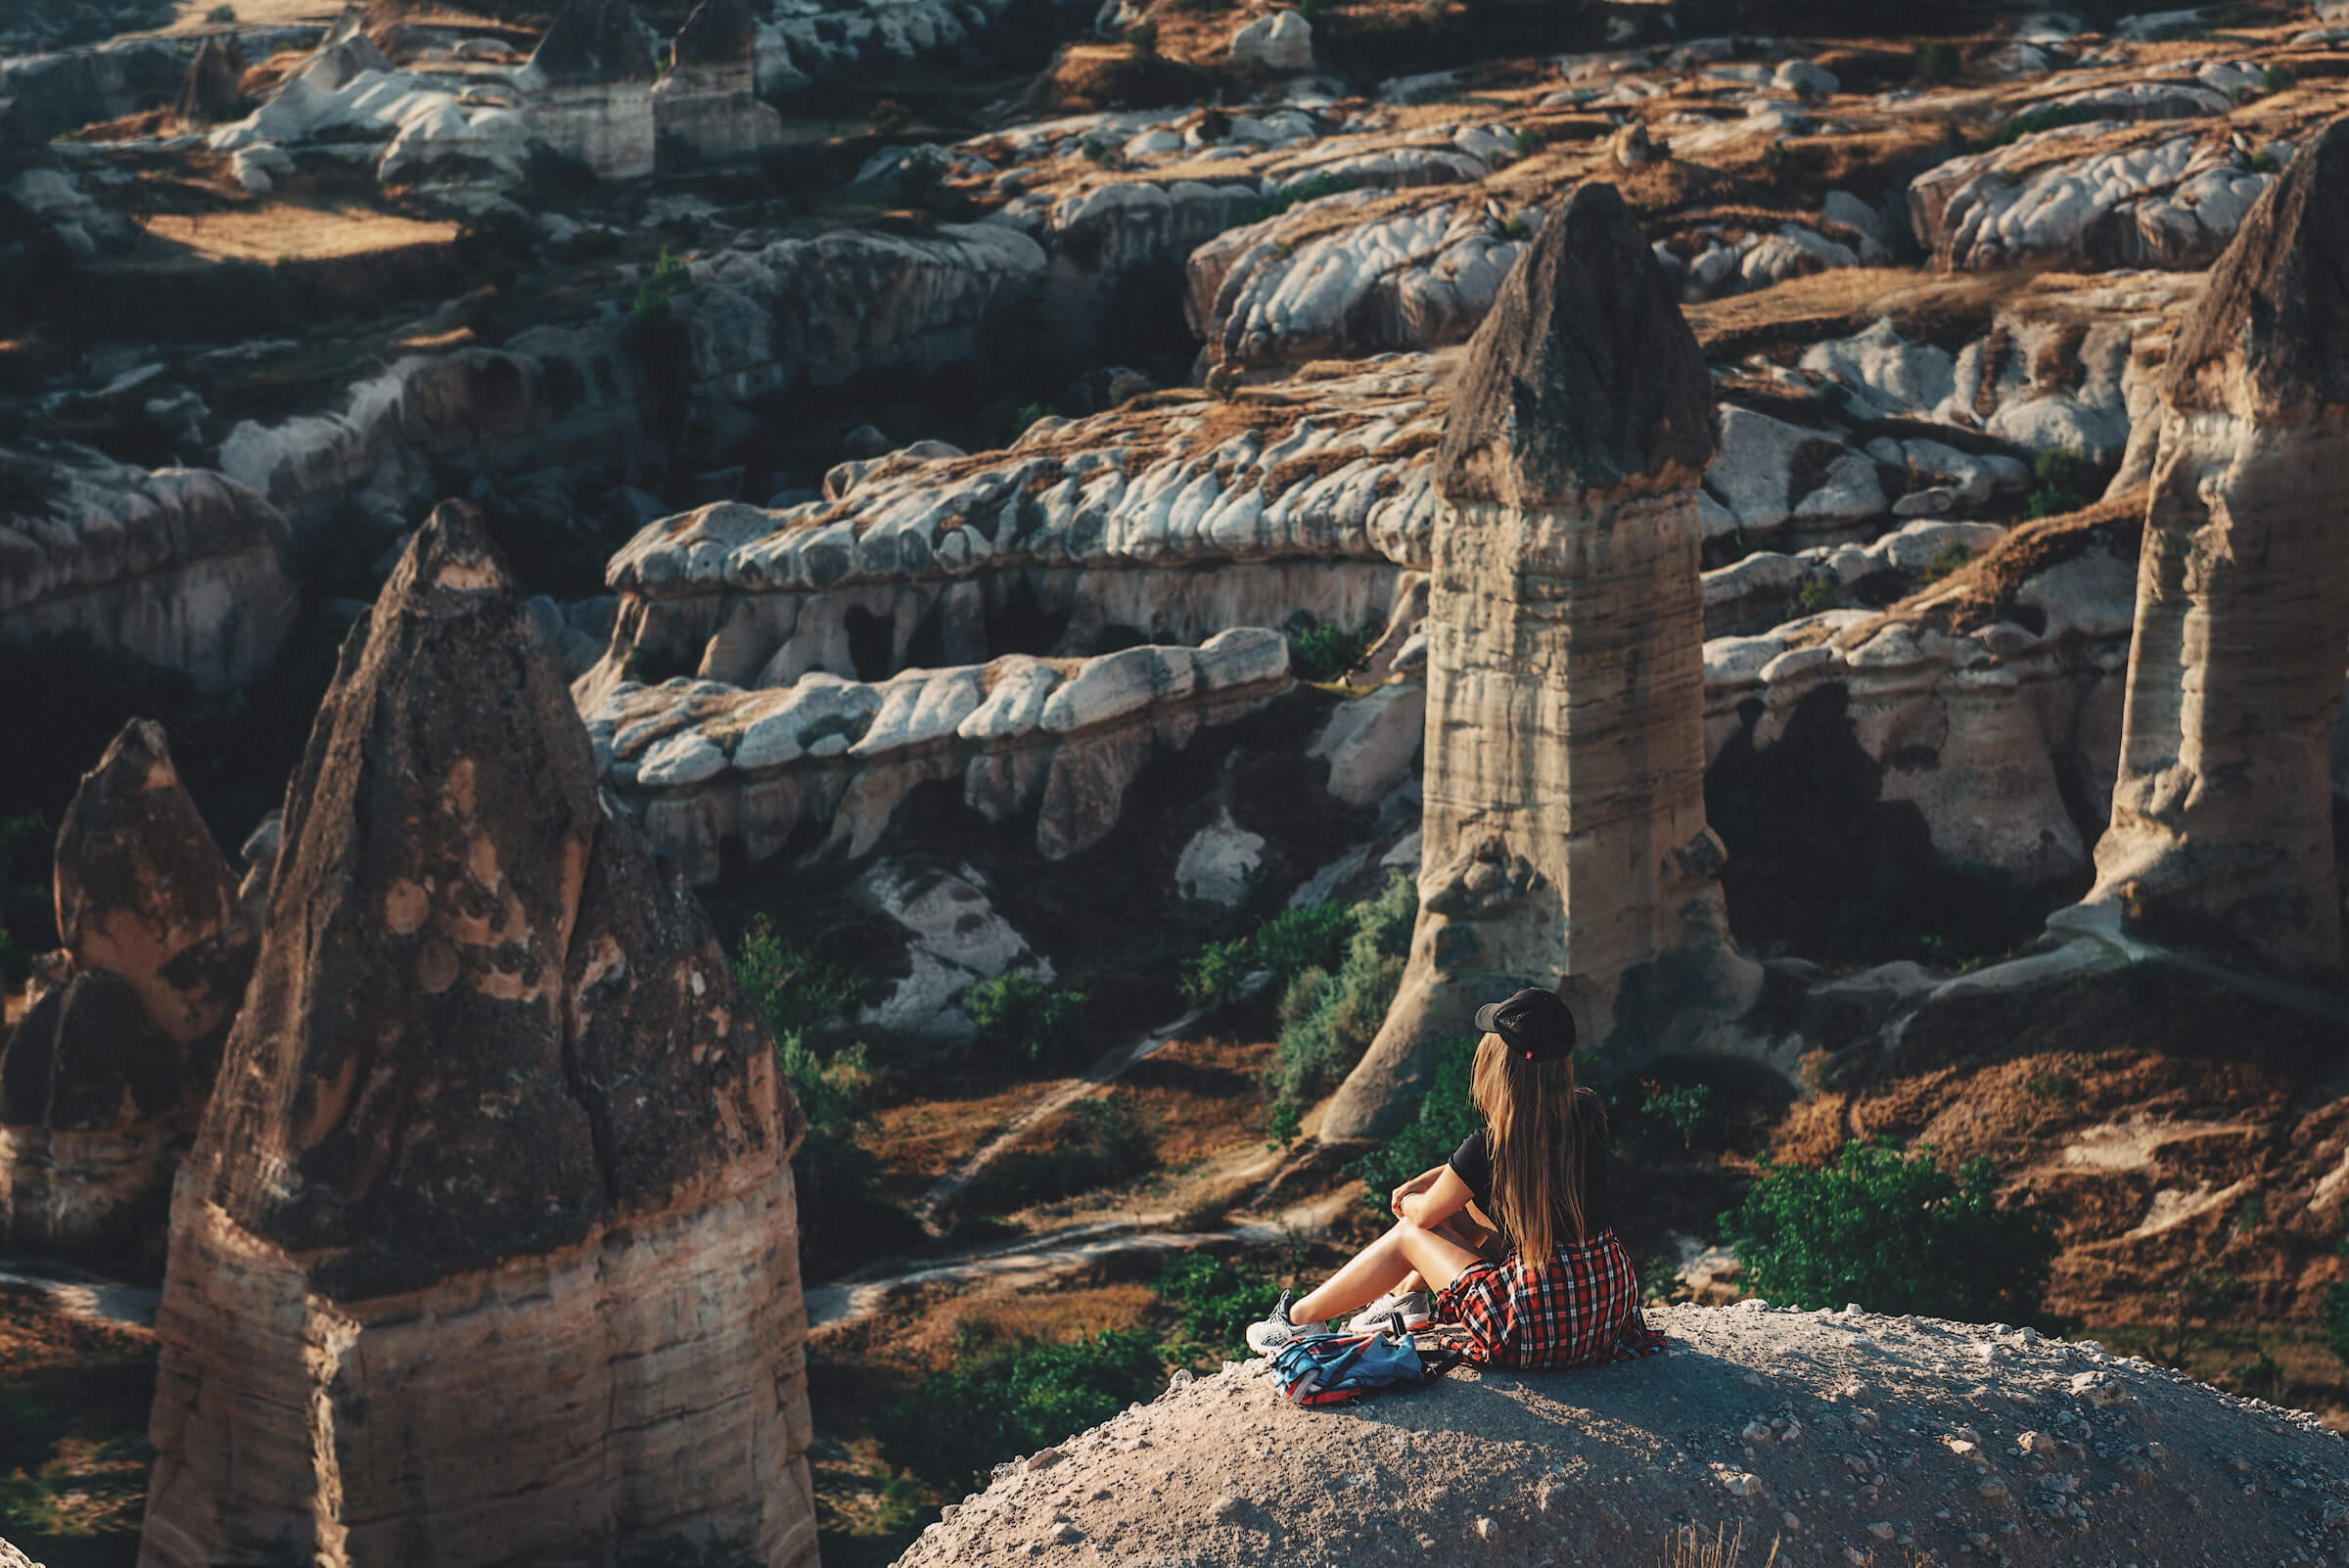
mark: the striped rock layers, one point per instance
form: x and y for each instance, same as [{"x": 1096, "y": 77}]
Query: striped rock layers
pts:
[
  {"x": 1565, "y": 837},
  {"x": 2222, "y": 829},
  {"x": 487, "y": 1251}
]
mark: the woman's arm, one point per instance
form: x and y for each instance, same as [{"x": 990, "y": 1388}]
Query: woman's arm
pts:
[
  {"x": 1448, "y": 1196},
  {"x": 1418, "y": 1183}
]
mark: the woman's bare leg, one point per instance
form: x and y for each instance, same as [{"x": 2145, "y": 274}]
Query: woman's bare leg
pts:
[
  {"x": 1475, "y": 1237},
  {"x": 1403, "y": 1251}
]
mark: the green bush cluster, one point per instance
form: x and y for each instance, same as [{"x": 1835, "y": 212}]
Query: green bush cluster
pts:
[
  {"x": 1017, "y": 1399},
  {"x": 2061, "y": 482},
  {"x": 1894, "y": 1232},
  {"x": 672, "y": 275},
  {"x": 1328, "y": 1017},
  {"x": 1298, "y": 191},
  {"x": 2049, "y": 117},
  {"x": 1215, "y": 1298},
  {"x": 1286, "y": 943},
  {"x": 1325, "y": 653},
  {"x": 1447, "y": 1116},
  {"x": 1020, "y": 1014}
]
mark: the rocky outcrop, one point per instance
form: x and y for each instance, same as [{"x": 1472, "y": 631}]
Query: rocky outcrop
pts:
[
  {"x": 750, "y": 325},
  {"x": 1564, "y": 832},
  {"x": 495, "y": 1132},
  {"x": 708, "y": 102},
  {"x": 102, "y": 1080},
  {"x": 45, "y": 95},
  {"x": 177, "y": 567},
  {"x": 2094, "y": 196},
  {"x": 590, "y": 88},
  {"x": 1326, "y": 278},
  {"x": 1167, "y": 518},
  {"x": 2222, "y": 818},
  {"x": 143, "y": 893},
  {"x": 717, "y": 772},
  {"x": 1835, "y": 1434}
]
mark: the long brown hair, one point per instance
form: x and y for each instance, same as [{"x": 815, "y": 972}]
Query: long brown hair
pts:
[{"x": 1536, "y": 1143}]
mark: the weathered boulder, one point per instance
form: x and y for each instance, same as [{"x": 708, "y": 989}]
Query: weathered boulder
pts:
[
  {"x": 2222, "y": 817},
  {"x": 1283, "y": 42},
  {"x": 590, "y": 85},
  {"x": 495, "y": 1132},
  {"x": 178, "y": 566},
  {"x": 1835, "y": 1434},
  {"x": 708, "y": 102},
  {"x": 145, "y": 894},
  {"x": 1564, "y": 831}
]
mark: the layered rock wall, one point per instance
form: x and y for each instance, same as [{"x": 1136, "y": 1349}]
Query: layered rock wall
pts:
[
  {"x": 178, "y": 567},
  {"x": 1564, "y": 834},
  {"x": 709, "y": 100},
  {"x": 590, "y": 85},
  {"x": 714, "y": 771},
  {"x": 2222, "y": 817},
  {"x": 495, "y": 1132}
]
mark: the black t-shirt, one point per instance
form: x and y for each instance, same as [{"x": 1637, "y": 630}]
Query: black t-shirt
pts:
[{"x": 1472, "y": 1163}]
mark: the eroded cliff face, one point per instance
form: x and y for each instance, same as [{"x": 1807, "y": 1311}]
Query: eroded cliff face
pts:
[
  {"x": 2222, "y": 817},
  {"x": 495, "y": 1130},
  {"x": 102, "y": 1080},
  {"x": 1564, "y": 831}
]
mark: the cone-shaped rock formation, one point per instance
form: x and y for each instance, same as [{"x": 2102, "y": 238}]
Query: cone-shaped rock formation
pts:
[
  {"x": 2222, "y": 830},
  {"x": 213, "y": 89},
  {"x": 1564, "y": 826},
  {"x": 102, "y": 1080},
  {"x": 143, "y": 893},
  {"x": 594, "y": 78},
  {"x": 709, "y": 100},
  {"x": 487, "y": 1252}
]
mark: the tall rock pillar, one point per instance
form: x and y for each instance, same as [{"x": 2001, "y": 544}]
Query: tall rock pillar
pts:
[
  {"x": 2222, "y": 831},
  {"x": 487, "y": 1251},
  {"x": 1564, "y": 839}
]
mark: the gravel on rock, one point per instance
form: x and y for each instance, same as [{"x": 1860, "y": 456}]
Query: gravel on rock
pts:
[{"x": 1846, "y": 1436}]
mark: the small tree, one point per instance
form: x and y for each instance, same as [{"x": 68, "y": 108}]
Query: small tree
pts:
[{"x": 1894, "y": 1232}]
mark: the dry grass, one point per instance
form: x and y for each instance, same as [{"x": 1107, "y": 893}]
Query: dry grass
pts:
[
  {"x": 1691, "y": 1547},
  {"x": 281, "y": 231}
]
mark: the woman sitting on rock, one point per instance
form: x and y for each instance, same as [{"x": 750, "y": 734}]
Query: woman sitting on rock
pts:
[{"x": 1513, "y": 1234}]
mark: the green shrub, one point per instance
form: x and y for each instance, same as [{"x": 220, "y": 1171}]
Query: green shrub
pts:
[
  {"x": 1894, "y": 1232},
  {"x": 1687, "y": 1109},
  {"x": 890, "y": 116},
  {"x": 1017, "y": 1012},
  {"x": 1295, "y": 193},
  {"x": 2047, "y": 117},
  {"x": 1935, "y": 62},
  {"x": 1142, "y": 39},
  {"x": 1329, "y": 1036},
  {"x": 672, "y": 275},
  {"x": 1029, "y": 414},
  {"x": 1217, "y": 1299},
  {"x": 2276, "y": 79},
  {"x": 1447, "y": 1116},
  {"x": 1944, "y": 563},
  {"x": 1287, "y": 944},
  {"x": 1816, "y": 596},
  {"x": 1325, "y": 653},
  {"x": 2061, "y": 482},
  {"x": 790, "y": 986},
  {"x": 222, "y": 13},
  {"x": 994, "y": 1407}
]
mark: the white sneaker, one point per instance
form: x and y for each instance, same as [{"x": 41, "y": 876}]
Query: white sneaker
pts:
[
  {"x": 1402, "y": 1311},
  {"x": 1275, "y": 1330}
]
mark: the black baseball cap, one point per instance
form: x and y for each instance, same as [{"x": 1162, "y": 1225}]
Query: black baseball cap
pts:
[{"x": 1534, "y": 1022}]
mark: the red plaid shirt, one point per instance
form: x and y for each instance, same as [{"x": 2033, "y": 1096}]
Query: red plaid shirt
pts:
[{"x": 1577, "y": 1307}]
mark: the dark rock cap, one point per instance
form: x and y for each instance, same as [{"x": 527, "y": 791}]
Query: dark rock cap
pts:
[
  {"x": 593, "y": 41},
  {"x": 142, "y": 891},
  {"x": 1585, "y": 376},
  {"x": 718, "y": 32},
  {"x": 212, "y": 89},
  {"x": 2278, "y": 301},
  {"x": 484, "y": 1022}
]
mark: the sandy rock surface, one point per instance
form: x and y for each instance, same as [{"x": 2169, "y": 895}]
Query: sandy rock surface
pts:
[{"x": 1847, "y": 1437}]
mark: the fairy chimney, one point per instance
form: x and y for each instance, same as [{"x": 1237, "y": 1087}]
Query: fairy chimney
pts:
[
  {"x": 707, "y": 104},
  {"x": 591, "y": 85},
  {"x": 1564, "y": 828},
  {"x": 102, "y": 1080},
  {"x": 213, "y": 90},
  {"x": 487, "y": 1251},
  {"x": 2222, "y": 834}
]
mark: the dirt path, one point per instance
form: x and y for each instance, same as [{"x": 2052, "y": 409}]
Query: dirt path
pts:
[{"x": 1103, "y": 1072}]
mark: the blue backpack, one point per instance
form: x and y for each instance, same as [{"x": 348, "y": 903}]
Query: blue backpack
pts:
[{"x": 1333, "y": 1368}]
